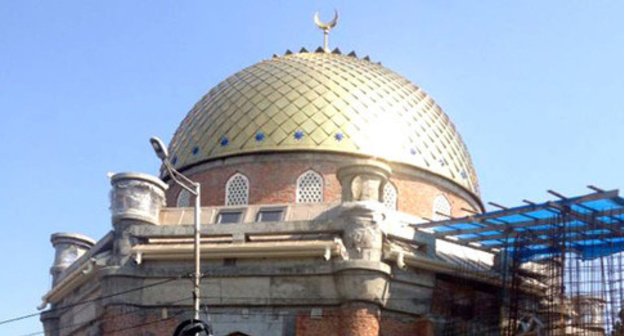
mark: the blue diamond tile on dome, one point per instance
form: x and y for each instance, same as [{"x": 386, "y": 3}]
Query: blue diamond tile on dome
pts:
[
  {"x": 195, "y": 150},
  {"x": 307, "y": 115},
  {"x": 259, "y": 136},
  {"x": 224, "y": 141}
]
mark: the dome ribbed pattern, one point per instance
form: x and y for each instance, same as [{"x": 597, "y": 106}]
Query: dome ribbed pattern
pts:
[{"x": 323, "y": 102}]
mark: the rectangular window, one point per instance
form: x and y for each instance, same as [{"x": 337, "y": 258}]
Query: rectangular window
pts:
[
  {"x": 270, "y": 215},
  {"x": 226, "y": 217}
]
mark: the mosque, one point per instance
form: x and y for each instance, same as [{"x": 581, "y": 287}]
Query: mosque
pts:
[{"x": 337, "y": 198}]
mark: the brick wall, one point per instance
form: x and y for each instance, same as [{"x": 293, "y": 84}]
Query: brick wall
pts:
[
  {"x": 353, "y": 320},
  {"x": 361, "y": 320},
  {"x": 269, "y": 182},
  {"x": 272, "y": 180},
  {"x": 416, "y": 197},
  {"x": 327, "y": 325},
  {"x": 132, "y": 321},
  {"x": 357, "y": 319},
  {"x": 401, "y": 327}
]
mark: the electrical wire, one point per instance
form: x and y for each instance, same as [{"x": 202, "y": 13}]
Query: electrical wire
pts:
[
  {"x": 325, "y": 314},
  {"x": 14, "y": 319},
  {"x": 65, "y": 307},
  {"x": 147, "y": 323},
  {"x": 107, "y": 318},
  {"x": 265, "y": 314}
]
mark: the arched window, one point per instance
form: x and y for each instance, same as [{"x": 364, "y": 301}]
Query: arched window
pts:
[
  {"x": 310, "y": 187},
  {"x": 237, "y": 190},
  {"x": 441, "y": 208},
  {"x": 390, "y": 196},
  {"x": 184, "y": 199}
]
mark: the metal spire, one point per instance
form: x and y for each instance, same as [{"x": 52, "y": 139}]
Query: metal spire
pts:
[{"x": 326, "y": 27}]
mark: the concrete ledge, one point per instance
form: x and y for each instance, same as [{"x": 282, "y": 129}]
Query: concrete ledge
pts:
[
  {"x": 79, "y": 276},
  {"x": 268, "y": 228}
]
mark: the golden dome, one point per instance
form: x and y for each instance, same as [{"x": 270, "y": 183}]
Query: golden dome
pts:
[{"x": 323, "y": 102}]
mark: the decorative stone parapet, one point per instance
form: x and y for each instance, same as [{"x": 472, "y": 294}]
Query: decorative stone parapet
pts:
[
  {"x": 68, "y": 247},
  {"x": 137, "y": 196},
  {"x": 363, "y": 182}
]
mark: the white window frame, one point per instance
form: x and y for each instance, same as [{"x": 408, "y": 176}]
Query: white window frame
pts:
[
  {"x": 298, "y": 194},
  {"x": 395, "y": 203},
  {"x": 228, "y": 184}
]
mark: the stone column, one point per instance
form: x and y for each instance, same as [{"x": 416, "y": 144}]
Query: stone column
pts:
[
  {"x": 135, "y": 199},
  {"x": 362, "y": 211},
  {"x": 362, "y": 280},
  {"x": 363, "y": 182},
  {"x": 68, "y": 247},
  {"x": 360, "y": 319}
]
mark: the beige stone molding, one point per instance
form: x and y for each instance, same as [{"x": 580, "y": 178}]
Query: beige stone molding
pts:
[
  {"x": 404, "y": 259},
  {"x": 79, "y": 276},
  {"x": 292, "y": 249}
]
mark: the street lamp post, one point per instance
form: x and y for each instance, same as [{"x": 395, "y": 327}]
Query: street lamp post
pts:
[{"x": 193, "y": 188}]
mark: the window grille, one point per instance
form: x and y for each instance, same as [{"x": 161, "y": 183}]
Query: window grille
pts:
[
  {"x": 237, "y": 190},
  {"x": 441, "y": 208},
  {"x": 310, "y": 187},
  {"x": 390, "y": 196},
  {"x": 184, "y": 199}
]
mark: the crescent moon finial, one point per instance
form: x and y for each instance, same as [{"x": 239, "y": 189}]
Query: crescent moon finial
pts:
[{"x": 326, "y": 27}]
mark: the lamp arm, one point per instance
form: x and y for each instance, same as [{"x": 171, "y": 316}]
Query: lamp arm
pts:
[{"x": 180, "y": 179}]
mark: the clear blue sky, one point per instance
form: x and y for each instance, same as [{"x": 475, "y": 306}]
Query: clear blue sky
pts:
[{"x": 534, "y": 87}]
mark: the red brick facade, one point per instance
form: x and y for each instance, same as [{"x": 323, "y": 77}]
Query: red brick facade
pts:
[
  {"x": 352, "y": 320},
  {"x": 269, "y": 183},
  {"x": 355, "y": 320},
  {"x": 401, "y": 327},
  {"x": 131, "y": 321},
  {"x": 416, "y": 198},
  {"x": 274, "y": 182}
]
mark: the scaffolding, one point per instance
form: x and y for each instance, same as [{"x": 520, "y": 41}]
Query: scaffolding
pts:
[{"x": 558, "y": 265}]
